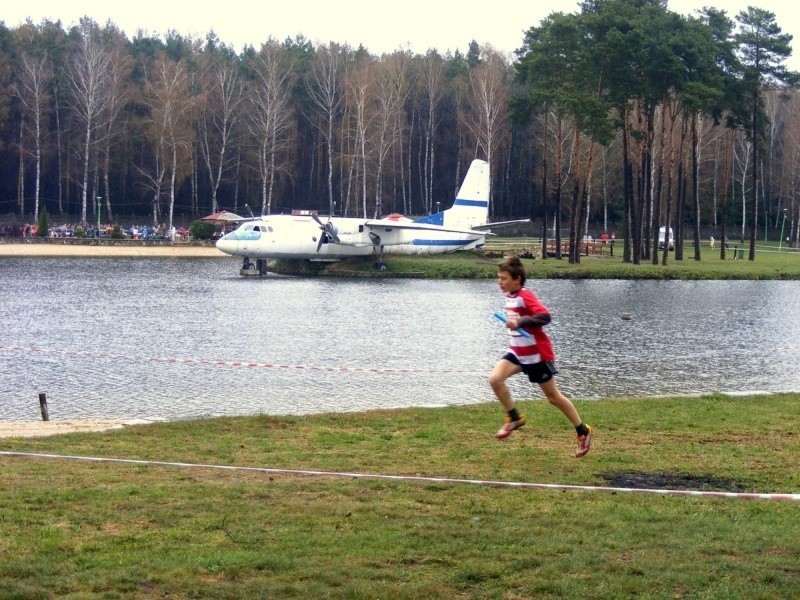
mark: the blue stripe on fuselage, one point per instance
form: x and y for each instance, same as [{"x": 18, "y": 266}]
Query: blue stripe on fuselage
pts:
[
  {"x": 471, "y": 203},
  {"x": 419, "y": 242}
]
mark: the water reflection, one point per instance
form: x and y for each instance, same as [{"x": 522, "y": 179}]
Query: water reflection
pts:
[{"x": 176, "y": 338}]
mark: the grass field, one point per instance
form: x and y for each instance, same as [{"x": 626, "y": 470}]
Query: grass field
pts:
[
  {"x": 72, "y": 529},
  {"x": 769, "y": 264},
  {"x": 85, "y": 530}
]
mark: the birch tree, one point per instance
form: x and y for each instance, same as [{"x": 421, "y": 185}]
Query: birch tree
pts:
[
  {"x": 360, "y": 101},
  {"x": 325, "y": 89},
  {"x": 33, "y": 81},
  {"x": 271, "y": 117},
  {"x": 391, "y": 92},
  {"x": 88, "y": 75},
  {"x": 742, "y": 156},
  {"x": 432, "y": 75},
  {"x": 489, "y": 104},
  {"x": 219, "y": 116},
  {"x": 170, "y": 101},
  {"x": 58, "y": 45},
  {"x": 116, "y": 93}
]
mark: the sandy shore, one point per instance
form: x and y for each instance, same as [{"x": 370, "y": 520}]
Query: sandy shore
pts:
[
  {"x": 45, "y": 428},
  {"x": 56, "y": 249}
]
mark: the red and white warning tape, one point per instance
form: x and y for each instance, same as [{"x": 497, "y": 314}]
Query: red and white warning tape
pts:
[
  {"x": 223, "y": 363},
  {"x": 415, "y": 478}
]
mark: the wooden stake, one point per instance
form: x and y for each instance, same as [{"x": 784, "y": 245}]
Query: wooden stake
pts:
[{"x": 43, "y": 406}]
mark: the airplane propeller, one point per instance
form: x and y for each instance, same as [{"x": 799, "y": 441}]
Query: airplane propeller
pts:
[{"x": 329, "y": 231}]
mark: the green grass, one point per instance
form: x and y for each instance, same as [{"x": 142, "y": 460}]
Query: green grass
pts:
[
  {"x": 106, "y": 530},
  {"x": 470, "y": 265}
]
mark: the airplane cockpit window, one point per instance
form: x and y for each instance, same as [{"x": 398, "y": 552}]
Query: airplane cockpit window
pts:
[{"x": 249, "y": 232}]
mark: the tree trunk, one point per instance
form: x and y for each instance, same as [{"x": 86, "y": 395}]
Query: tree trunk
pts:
[
  {"x": 574, "y": 254},
  {"x": 557, "y": 195},
  {"x": 726, "y": 185},
  {"x": 681, "y": 196},
  {"x": 695, "y": 188},
  {"x": 21, "y": 173},
  {"x": 655, "y": 222},
  {"x": 754, "y": 203},
  {"x": 545, "y": 195},
  {"x": 627, "y": 176}
]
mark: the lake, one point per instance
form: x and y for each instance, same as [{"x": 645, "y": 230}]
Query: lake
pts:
[{"x": 174, "y": 338}]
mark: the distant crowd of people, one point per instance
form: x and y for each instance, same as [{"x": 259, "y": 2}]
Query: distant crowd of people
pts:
[
  {"x": 68, "y": 230},
  {"x": 603, "y": 238}
]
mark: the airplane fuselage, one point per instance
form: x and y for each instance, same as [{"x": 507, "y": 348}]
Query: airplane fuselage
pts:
[
  {"x": 308, "y": 237},
  {"x": 297, "y": 237}
]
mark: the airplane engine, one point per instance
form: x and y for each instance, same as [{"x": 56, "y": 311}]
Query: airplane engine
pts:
[{"x": 329, "y": 232}]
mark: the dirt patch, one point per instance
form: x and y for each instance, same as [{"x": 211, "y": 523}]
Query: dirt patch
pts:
[{"x": 667, "y": 481}]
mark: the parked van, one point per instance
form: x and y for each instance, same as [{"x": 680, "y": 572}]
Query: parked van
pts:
[{"x": 662, "y": 235}]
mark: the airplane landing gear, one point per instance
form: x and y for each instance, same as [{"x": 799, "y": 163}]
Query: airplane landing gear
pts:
[
  {"x": 378, "y": 249},
  {"x": 253, "y": 269}
]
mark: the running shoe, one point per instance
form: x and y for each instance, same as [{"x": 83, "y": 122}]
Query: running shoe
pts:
[
  {"x": 584, "y": 443},
  {"x": 509, "y": 426}
]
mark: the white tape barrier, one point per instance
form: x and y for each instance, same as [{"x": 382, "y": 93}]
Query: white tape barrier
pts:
[{"x": 414, "y": 478}]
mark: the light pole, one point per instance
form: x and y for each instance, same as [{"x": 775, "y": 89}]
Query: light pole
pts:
[
  {"x": 99, "y": 199},
  {"x": 780, "y": 241}
]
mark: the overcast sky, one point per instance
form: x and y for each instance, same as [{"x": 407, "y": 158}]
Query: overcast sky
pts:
[{"x": 380, "y": 27}]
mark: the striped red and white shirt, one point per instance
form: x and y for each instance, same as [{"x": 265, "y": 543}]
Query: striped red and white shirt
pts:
[{"x": 524, "y": 303}]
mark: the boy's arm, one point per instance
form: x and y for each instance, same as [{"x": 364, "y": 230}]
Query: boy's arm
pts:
[
  {"x": 538, "y": 315},
  {"x": 539, "y": 320}
]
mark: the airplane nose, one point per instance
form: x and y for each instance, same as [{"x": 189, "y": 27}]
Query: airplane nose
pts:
[{"x": 228, "y": 244}]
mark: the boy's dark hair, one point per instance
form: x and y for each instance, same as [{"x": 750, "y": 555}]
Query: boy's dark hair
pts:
[{"x": 514, "y": 267}]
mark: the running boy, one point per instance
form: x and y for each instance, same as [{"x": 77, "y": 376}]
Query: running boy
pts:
[{"x": 531, "y": 355}]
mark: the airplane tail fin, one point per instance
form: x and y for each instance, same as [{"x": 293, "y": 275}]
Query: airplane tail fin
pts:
[{"x": 471, "y": 206}]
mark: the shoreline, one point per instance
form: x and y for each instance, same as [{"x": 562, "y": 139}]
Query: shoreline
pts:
[
  {"x": 27, "y": 429},
  {"x": 30, "y": 429},
  {"x": 55, "y": 249}
]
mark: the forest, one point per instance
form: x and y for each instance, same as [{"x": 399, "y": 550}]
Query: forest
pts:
[{"x": 622, "y": 116}]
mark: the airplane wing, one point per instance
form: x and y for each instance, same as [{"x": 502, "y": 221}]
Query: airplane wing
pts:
[
  {"x": 500, "y": 224},
  {"x": 386, "y": 224}
]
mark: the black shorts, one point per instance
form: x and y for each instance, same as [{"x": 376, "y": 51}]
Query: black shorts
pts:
[{"x": 540, "y": 372}]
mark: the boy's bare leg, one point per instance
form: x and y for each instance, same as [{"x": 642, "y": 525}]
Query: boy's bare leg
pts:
[
  {"x": 560, "y": 401},
  {"x": 497, "y": 379}
]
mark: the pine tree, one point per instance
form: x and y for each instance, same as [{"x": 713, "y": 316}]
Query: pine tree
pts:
[{"x": 44, "y": 227}]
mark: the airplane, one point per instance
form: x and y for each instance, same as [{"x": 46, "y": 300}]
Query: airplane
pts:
[{"x": 305, "y": 236}]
